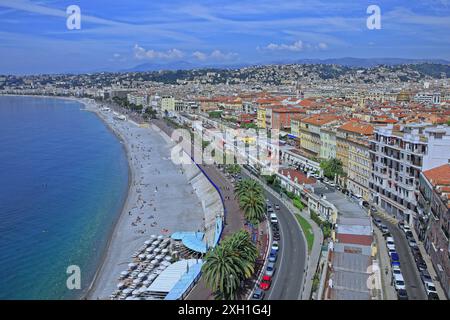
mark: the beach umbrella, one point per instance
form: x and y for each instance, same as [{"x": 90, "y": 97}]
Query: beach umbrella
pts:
[
  {"x": 136, "y": 292},
  {"x": 154, "y": 262},
  {"x": 153, "y": 236},
  {"x": 148, "y": 242},
  {"x": 132, "y": 265},
  {"x": 136, "y": 281},
  {"x": 160, "y": 237},
  {"x": 126, "y": 291},
  {"x": 141, "y": 275},
  {"x": 124, "y": 273},
  {"x": 120, "y": 285},
  {"x": 157, "y": 250},
  {"x": 142, "y": 256},
  {"x": 159, "y": 257},
  {"x": 164, "y": 251},
  {"x": 168, "y": 258}
]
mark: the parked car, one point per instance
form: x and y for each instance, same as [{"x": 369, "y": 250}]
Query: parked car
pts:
[
  {"x": 399, "y": 282},
  {"x": 394, "y": 257},
  {"x": 273, "y": 218},
  {"x": 405, "y": 228},
  {"x": 430, "y": 290},
  {"x": 273, "y": 255},
  {"x": 390, "y": 244},
  {"x": 391, "y": 251},
  {"x": 409, "y": 235},
  {"x": 366, "y": 204},
  {"x": 258, "y": 294},
  {"x": 421, "y": 265},
  {"x": 395, "y": 271},
  {"x": 277, "y": 207},
  {"x": 402, "y": 294},
  {"x": 276, "y": 236},
  {"x": 412, "y": 243},
  {"x": 425, "y": 276},
  {"x": 270, "y": 269},
  {"x": 275, "y": 246},
  {"x": 265, "y": 283},
  {"x": 384, "y": 228},
  {"x": 377, "y": 221}
]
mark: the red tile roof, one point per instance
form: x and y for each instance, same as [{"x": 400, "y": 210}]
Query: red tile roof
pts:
[
  {"x": 354, "y": 239},
  {"x": 297, "y": 175},
  {"x": 357, "y": 127},
  {"x": 439, "y": 176}
]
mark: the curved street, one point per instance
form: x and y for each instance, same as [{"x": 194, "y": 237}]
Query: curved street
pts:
[{"x": 287, "y": 283}]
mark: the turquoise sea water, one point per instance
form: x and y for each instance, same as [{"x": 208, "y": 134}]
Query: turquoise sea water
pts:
[{"x": 63, "y": 181}]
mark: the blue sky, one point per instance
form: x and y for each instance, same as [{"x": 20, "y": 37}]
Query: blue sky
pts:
[{"x": 120, "y": 34}]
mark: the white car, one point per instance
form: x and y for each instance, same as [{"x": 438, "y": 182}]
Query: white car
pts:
[
  {"x": 273, "y": 218},
  {"x": 396, "y": 271},
  {"x": 430, "y": 288},
  {"x": 390, "y": 251},
  {"x": 390, "y": 244},
  {"x": 275, "y": 245},
  {"x": 399, "y": 282},
  {"x": 406, "y": 228}
]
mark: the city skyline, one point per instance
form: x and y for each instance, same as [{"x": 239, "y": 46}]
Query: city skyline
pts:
[{"x": 120, "y": 36}]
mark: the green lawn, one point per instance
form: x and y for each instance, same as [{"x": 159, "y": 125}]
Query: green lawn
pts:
[{"x": 307, "y": 230}]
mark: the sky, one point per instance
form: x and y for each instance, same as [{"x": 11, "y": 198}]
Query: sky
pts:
[{"x": 117, "y": 35}]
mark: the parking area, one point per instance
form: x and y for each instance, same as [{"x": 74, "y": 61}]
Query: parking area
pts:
[{"x": 411, "y": 266}]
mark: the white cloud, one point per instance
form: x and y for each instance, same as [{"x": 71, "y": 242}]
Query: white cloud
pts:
[
  {"x": 141, "y": 54},
  {"x": 296, "y": 46},
  {"x": 215, "y": 55}
]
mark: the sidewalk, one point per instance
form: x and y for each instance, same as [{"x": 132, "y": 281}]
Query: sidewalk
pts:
[
  {"x": 314, "y": 255},
  {"x": 389, "y": 292}
]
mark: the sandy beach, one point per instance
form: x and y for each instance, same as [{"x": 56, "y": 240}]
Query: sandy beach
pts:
[{"x": 160, "y": 200}]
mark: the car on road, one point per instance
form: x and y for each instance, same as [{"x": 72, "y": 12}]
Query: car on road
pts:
[
  {"x": 412, "y": 243},
  {"x": 394, "y": 257},
  {"x": 430, "y": 289},
  {"x": 426, "y": 277},
  {"x": 377, "y": 221},
  {"x": 405, "y": 228},
  {"x": 273, "y": 218},
  {"x": 399, "y": 282},
  {"x": 258, "y": 294},
  {"x": 402, "y": 294},
  {"x": 273, "y": 256},
  {"x": 391, "y": 251},
  {"x": 277, "y": 207},
  {"x": 270, "y": 269},
  {"x": 395, "y": 271},
  {"x": 390, "y": 244},
  {"x": 383, "y": 228},
  {"x": 409, "y": 235},
  {"x": 275, "y": 246},
  {"x": 265, "y": 283},
  {"x": 276, "y": 236}
]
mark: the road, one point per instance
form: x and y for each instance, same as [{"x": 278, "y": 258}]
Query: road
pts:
[
  {"x": 414, "y": 286},
  {"x": 290, "y": 266}
]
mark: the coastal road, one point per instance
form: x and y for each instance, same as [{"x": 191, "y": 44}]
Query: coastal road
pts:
[
  {"x": 414, "y": 286},
  {"x": 290, "y": 266}
]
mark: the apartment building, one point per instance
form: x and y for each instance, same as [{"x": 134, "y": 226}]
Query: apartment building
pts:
[
  {"x": 167, "y": 103},
  {"x": 399, "y": 154},
  {"x": 328, "y": 147},
  {"x": 433, "y": 222},
  {"x": 359, "y": 167},
  {"x": 310, "y": 127},
  {"x": 347, "y": 136},
  {"x": 281, "y": 118}
]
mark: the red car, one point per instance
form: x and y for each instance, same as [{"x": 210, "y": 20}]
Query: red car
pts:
[{"x": 265, "y": 283}]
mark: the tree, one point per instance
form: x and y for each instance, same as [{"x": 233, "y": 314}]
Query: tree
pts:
[
  {"x": 253, "y": 205},
  {"x": 332, "y": 167},
  {"x": 221, "y": 272},
  {"x": 245, "y": 186},
  {"x": 226, "y": 265}
]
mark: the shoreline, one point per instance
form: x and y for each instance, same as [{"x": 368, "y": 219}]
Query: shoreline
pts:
[{"x": 131, "y": 180}]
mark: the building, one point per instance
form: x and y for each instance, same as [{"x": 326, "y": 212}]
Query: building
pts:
[
  {"x": 281, "y": 118},
  {"x": 359, "y": 169},
  {"x": 346, "y": 136},
  {"x": 310, "y": 127},
  {"x": 167, "y": 103},
  {"x": 328, "y": 146},
  {"x": 399, "y": 154},
  {"x": 433, "y": 222}
]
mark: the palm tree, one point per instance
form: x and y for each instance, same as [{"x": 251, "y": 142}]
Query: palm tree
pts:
[
  {"x": 240, "y": 244},
  {"x": 246, "y": 186},
  {"x": 229, "y": 263},
  {"x": 221, "y": 272},
  {"x": 253, "y": 205}
]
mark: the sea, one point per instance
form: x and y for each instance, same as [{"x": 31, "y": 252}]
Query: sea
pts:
[{"x": 63, "y": 182}]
